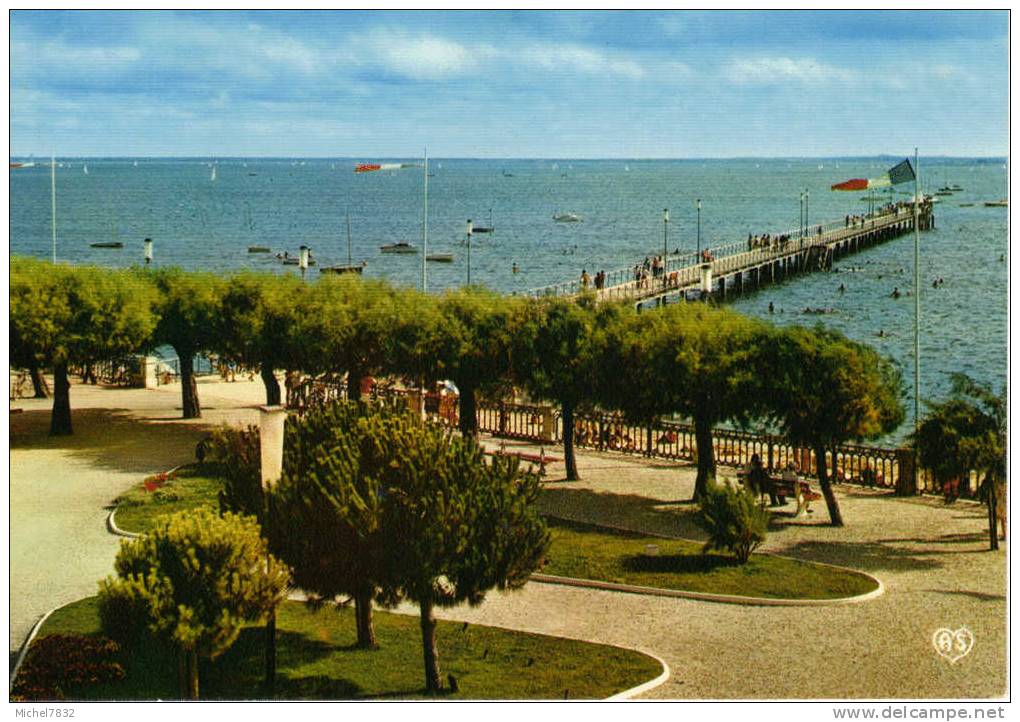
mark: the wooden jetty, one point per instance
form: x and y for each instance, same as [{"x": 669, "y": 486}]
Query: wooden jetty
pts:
[{"x": 735, "y": 268}]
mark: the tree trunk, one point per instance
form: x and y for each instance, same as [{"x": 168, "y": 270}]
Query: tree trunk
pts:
[
  {"x": 428, "y": 643},
  {"x": 354, "y": 385},
  {"x": 568, "y": 441},
  {"x": 272, "y": 385},
  {"x": 182, "y": 673},
  {"x": 192, "y": 674},
  {"x": 60, "y": 419},
  {"x": 993, "y": 516},
  {"x": 270, "y": 678},
  {"x": 468, "y": 411},
  {"x": 835, "y": 517},
  {"x": 42, "y": 391},
  {"x": 189, "y": 388},
  {"x": 363, "y": 615},
  {"x": 706, "y": 456}
]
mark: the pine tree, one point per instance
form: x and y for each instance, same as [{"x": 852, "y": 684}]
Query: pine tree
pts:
[{"x": 195, "y": 580}]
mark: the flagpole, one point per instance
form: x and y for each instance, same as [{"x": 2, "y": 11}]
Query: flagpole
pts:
[
  {"x": 917, "y": 303},
  {"x": 53, "y": 202},
  {"x": 425, "y": 227}
]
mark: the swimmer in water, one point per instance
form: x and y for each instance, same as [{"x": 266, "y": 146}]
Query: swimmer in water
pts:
[{"x": 895, "y": 293}]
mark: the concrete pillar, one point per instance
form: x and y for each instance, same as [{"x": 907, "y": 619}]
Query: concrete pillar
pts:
[
  {"x": 548, "y": 424},
  {"x": 706, "y": 277},
  {"x": 271, "y": 421},
  {"x": 146, "y": 377}
]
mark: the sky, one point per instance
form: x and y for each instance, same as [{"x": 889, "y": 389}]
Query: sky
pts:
[{"x": 509, "y": 84}]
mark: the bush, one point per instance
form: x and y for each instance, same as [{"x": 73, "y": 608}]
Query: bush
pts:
[
  {"x": 238, "y": 453},
  {"x": 733, "y": 519},
  {"x": 195, "y": 580},
  {"x": 58, "y": 663}
]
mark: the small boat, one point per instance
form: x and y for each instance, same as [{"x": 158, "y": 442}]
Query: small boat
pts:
[
  {"x": 944, "y": 192},
  {"x": 485, "y": 229},
  {"x": 997, "y": 204},
  {"x": 955, "y": 188},
  {"x": 567, "y": 218},
  {"x": 440, "y": 257},
  {"x": 22, "y": 165},
  {"x": 357, "y": 268},
  {"x": 251, "y": 173},
  {"x": 259, "y": 249},
  {"x": 213, "y": 176},
  {"x": 507, "y": 174},
  {"x": 85, "y": 168},
  {"x": 966, "y": 205},
  {"x": 107, "y": 244},
  {"x": 399, "y": 247},
  {"x": 294, "y": 261}
]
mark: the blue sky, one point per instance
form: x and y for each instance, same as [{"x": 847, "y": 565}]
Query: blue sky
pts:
[{"x": 572, "y": 84}]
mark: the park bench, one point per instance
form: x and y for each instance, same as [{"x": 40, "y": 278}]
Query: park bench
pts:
[
  {"x": 798, "y": 489},
  {"x": 540, "y": 458}
]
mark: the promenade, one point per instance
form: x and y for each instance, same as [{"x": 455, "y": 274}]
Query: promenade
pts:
[{"x": 930, "y": 557}]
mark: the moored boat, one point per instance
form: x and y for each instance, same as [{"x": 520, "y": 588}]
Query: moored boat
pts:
[
  {"x": 997, "y": 204},
  {"x": 352, "y": 268},
  {"x": 566, "y": 218},
  {"x": 440, "y": 257},
  {"x": 107, "y": 244},
  {"x": 398, "y": 247},
  {"x": 259, "y": 249}
]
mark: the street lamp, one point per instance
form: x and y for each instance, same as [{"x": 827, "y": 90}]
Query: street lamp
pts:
[
  {"x": 800, "y": 218},
  {"x": 807, "y": 207},
  {"x": 699, "y": 226},
  {"x": 148, "y": 251},
  {"x": 470, "y": 229},
  {"x": 665, "y": 244}
]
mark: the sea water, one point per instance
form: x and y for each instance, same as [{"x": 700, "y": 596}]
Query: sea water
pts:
[{"x": 199, "y": 223}]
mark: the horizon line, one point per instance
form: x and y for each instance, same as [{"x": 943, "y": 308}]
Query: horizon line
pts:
[{"x": 511, "y": 158}]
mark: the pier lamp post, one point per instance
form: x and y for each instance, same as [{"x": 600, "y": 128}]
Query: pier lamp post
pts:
[
  {"x": 800, "y": 218},
  {"x": 665, "y": 244},
  {"x": 148, "y": 251},
  {"x": 470, "y": 230},
  {"x": 807, "y": 208},
  {"x": 699, "y": 226},
  {"x": 303, "y": 260}
]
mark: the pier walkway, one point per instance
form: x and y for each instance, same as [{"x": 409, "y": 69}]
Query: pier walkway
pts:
[{"x": 735, "y": 267}]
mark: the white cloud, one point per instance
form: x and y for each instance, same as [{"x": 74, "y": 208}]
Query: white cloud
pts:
[
  {"x": 782, "y": 69},
  {"x": 576, "y": 58},
  {"x": 419, "y": 57}
]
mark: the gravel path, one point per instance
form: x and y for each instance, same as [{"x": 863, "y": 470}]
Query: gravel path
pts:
[{"x": 930, "y": 557}]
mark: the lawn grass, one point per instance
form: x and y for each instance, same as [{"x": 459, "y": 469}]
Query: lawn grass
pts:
[
  {"x": 316, "y": 660},
  {"x": 192, "y": 487},
  {"x": 585, "y": 551}
]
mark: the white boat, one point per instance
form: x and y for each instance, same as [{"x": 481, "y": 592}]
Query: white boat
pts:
[
  {"x": 399, "y": 247},
  {"x": 213, "y": 176},
  {"x": 85, "y": 168},
  {"x": 997, "y": 204},
  {"x": 440, "y": 257},
  {"x": 567, "y": 218}
]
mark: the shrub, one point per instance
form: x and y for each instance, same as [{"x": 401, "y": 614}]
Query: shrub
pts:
[
  {"x": 238, "y": 452},
  {"x": 733, "y": 520},
  {"x": 195, "y": 580},
  {"x": 58, "y": 663}
]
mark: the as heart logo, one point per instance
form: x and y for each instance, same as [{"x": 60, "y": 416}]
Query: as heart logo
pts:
[{"x": 954, "y": 646}]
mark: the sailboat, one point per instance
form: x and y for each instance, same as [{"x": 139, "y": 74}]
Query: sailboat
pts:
[
  {"x": 85, "y": 168},
  {"x": 350, "y": 267},
  {"x": 213, "y": 176}
]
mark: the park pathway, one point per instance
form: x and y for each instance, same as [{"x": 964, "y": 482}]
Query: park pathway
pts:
[{"x": 930, "y": 557}]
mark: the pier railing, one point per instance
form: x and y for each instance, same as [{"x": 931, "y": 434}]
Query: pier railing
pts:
[{"x": 623, "y": 283}]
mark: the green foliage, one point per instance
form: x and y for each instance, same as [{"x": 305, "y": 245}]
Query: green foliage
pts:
[
  {"x": 77, "y": 314},
  {"x": 59, "y": 664},
  {"x": 326, "y": 509},
  {"x": 259, "y": 313},
  {"x": 198, "y": 577},
  {"x": 829, "y": 389},
  {"x": 188, "y": 308},
  {"x": 733, "y": 520},
  {"x": 238, "y": 454},
  {"x": 967, "y": 431}
]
